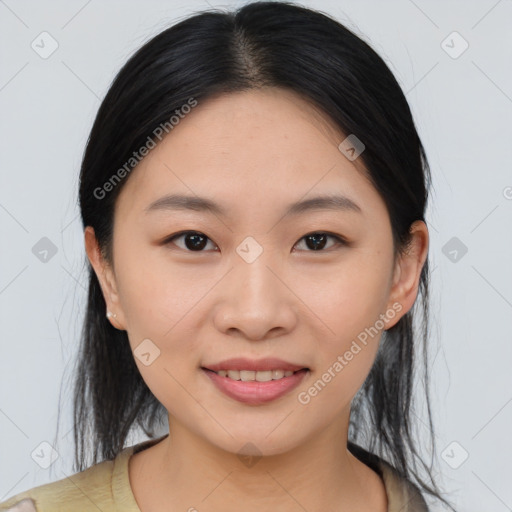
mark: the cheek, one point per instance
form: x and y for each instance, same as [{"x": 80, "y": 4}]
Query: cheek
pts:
[
  {"x": 334, "y": 385},
  {"x": 156, "y": 295},
  {"x": 164, "y": 379},
  {"x": 347, "y": 300},
  {"x": 343, "y": 363},
  {"x": 349, "y": 303}
]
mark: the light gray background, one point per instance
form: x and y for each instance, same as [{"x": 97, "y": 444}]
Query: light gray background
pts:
[{"x": 462, "y": 107}]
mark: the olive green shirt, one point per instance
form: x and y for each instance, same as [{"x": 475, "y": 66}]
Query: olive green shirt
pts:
[{"x": 106, "y": 487}]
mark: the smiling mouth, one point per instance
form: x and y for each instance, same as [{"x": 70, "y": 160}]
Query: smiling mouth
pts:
[
  {"x": 256, "y": 387},
  {"x": 255, "y": 376}
]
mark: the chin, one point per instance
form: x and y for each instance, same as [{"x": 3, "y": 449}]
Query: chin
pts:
[{"x": 256, "y": 443}]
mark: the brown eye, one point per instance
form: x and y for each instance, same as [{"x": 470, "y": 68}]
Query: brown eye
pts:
[
  {"x": 194, "y": 241},
  {"x": 319, "y": 240}
]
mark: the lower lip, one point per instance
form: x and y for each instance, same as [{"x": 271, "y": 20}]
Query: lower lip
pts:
[{"x": 254, "y": 392}]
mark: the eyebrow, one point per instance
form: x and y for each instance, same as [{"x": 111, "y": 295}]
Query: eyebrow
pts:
[{"x": 202, "y": 204}]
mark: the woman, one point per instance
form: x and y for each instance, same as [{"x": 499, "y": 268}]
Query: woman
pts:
[{"x": 253, "y": 195}]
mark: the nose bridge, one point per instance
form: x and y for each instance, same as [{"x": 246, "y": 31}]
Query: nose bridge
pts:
[
  {"x": 257, "y": 283},
  {"x": 255, "y": 301}
]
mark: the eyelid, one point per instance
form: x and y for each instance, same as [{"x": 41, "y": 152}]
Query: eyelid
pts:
[{"x": 328, "y": 233}]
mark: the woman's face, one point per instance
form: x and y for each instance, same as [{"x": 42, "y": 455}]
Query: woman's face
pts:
[{"x": 250, "y": 284}]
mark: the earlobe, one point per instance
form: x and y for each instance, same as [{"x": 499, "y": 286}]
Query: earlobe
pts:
[{"x": 105, "y": 277}]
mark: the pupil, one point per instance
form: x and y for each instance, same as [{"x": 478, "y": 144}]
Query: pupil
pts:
[
  {"x": 196, "y": 243},
  {"x": 316, "y": 243}
]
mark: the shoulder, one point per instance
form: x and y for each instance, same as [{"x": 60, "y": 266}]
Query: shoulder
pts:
[
  {"x": 89, "y": 490},
  {"x": 104, "y": 486}
]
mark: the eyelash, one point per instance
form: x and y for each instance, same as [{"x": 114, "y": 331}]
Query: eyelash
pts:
[{"x": 339, "y": 240}]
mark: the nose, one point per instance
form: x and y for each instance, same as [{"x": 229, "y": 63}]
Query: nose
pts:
[{"x": 255, "y": 301}]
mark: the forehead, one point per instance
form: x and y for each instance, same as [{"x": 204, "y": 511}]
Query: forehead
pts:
[{"x": 255, "y": 147}]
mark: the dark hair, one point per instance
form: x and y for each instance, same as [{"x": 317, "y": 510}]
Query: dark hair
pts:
[{"x": 276, "y": 44}]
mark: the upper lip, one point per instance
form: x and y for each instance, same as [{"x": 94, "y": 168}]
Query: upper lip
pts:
[{"x": 241, "y": 363}]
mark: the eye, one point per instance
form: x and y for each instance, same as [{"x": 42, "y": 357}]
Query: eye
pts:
[
  {"x": 194, "y": 241},
  {"x": 318, "y": 240}
]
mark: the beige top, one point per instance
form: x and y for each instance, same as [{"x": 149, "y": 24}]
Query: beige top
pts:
[{"x": 106, "y": 487}]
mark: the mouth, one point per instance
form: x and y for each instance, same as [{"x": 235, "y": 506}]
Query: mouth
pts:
[
  {"x": 255, "y": 383},
  {"x": 255, "y": 376}
]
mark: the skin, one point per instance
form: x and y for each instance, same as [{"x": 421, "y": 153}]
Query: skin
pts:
[{"x": 254, "y": 152}]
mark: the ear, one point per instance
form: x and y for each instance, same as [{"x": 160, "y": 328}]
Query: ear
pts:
[
  {"x": 106, "y": 277},
  {"x": 406, "y": 277}
]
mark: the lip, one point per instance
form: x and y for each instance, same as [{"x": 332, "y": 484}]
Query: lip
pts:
[
  {"x": 254, "y": 392},
  {"x": 242, "y": 363}
]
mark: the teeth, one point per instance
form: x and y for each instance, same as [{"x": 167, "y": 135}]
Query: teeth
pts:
[
  {"x": 249, "y": 375},
  {"x": 246, "y": 375}
]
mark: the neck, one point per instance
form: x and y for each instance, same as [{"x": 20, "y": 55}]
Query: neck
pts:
[{"x": 187, "y": 472}]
